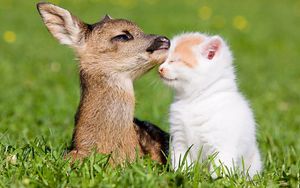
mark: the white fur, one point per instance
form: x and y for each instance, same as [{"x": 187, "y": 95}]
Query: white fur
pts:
[{"x": 209, "y": 114}]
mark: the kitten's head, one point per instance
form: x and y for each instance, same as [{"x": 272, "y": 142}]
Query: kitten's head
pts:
[{"x": 195, "y": 59}]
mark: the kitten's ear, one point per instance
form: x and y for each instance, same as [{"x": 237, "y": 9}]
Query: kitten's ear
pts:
[
  {"x": 212, "y": 47},
  {"x": 65, "y": 27}
]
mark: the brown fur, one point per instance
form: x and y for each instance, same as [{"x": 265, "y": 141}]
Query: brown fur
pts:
[{"x": 104, "y": 120}]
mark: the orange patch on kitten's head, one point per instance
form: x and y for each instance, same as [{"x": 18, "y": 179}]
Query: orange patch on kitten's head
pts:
[{"x": 184, "y": 47}]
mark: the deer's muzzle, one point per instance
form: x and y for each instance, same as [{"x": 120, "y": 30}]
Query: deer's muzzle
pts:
[{"x": 159, "y": 43}]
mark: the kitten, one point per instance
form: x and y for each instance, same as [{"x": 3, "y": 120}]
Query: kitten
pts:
[{"x": 209, "y": 115}]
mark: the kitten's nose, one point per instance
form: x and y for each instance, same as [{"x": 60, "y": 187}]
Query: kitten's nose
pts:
[{"x": 161, "y": 70}]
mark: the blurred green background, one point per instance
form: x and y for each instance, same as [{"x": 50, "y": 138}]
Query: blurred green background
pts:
[{"x": 39, "y": 84}]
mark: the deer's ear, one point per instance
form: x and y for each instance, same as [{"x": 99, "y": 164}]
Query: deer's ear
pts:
[
  {"x": 105, "y": 18},
  {"x": 65, "y": 27},
  {"x": 212, "y": 47}
]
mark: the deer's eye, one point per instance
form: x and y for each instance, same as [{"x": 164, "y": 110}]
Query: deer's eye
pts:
[{"x": 123, "y": 37}]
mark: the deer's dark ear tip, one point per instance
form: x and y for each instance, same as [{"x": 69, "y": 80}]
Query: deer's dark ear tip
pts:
[{"x": 40, "y": 5}]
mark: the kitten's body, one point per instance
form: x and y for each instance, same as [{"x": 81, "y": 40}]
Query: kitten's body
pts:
[{"x": 208, "y": 113}]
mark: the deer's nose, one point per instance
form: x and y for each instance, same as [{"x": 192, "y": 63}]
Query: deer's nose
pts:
[{"x": 163, "y": 39}]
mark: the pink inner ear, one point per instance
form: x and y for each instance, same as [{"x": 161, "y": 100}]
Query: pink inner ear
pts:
[
  {"x": 211, "y": 54},
  {"x": 212, "y": 48}
]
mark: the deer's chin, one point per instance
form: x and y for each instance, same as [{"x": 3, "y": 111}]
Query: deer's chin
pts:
[
  {"x": 141, "y": 69},
  {"x": 159, "y": 56}
]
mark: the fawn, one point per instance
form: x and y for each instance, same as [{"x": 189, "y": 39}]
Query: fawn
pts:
[{"x": 112, "y": 53}]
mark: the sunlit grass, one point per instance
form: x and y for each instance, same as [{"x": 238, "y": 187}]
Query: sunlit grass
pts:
[{"x": 39, "y": 91}]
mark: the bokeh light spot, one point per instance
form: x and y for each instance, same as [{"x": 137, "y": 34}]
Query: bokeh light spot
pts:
[
  {"x": 240, "y": 22},
  {"x": 205, "y": 12},
  {"x": 9, "y": 36},
  {"x": 55, "y": 67}
]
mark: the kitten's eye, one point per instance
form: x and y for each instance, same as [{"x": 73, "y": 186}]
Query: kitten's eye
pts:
[
  {"x": 174, "y": 60},
  {"x": 123, "y": 37}
]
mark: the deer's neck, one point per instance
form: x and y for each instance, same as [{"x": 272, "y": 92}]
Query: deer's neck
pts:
[
  {"x": 107, "y": 100},
  {"x": 106, "y": 109}
]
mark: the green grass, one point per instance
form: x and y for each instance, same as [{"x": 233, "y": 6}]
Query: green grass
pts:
[{"x": 39, "y": 91}]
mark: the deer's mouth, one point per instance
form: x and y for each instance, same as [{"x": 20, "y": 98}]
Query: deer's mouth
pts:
[
  {"x": 159, "y": 43},
  {"x": 164, "y": 46}
]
